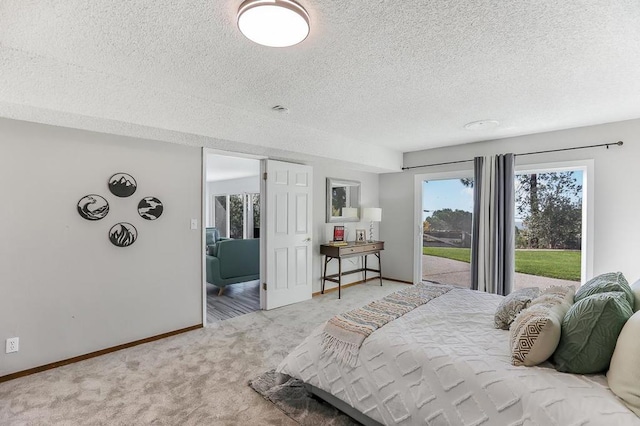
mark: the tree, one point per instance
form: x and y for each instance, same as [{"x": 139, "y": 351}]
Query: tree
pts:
[
  {"x": 338, "y": 200},
  {"x": 551, "y": 207},
  {"x": 449, "y": 220},
  {"x": 236, "y": 216}
]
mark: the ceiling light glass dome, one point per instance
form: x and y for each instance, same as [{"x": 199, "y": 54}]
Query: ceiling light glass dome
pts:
[{"x": 273, "y": 23}]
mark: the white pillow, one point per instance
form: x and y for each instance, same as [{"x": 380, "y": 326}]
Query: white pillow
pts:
[
  {"x": 624, "y": 370},
  {"x": 635, "y": 288}
]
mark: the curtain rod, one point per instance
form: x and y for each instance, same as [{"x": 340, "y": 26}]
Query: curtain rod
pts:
[{"x": 607, "y": 145}]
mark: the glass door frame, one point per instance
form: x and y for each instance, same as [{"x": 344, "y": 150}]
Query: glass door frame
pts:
[
  {"x": 588, "y": 207},
  {"x": 417, "y": 212}
]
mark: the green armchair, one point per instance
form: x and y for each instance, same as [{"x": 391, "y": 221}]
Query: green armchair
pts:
[
  {"x": 212, "y": 239},
  {"x": 234, "y": 261}
]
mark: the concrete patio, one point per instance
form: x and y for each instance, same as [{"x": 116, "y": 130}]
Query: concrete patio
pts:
[{"x": 454, "y": 272}]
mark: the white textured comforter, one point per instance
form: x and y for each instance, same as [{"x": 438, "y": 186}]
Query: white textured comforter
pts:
[{"x": 445, "y": 364}]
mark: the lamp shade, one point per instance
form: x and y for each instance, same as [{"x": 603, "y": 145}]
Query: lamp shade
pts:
[
  {"x": 349, "y": 212},
  {"x": 373, "y": 214}
]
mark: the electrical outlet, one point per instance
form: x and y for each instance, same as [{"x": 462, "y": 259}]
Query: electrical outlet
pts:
[
  {"x": 194, "y": 223},
  {"x": 13, "y": 344}
]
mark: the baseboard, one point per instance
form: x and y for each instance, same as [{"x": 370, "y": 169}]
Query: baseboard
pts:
[
  {"x": 95, "y": 354},
  {"x": 397, "y": 281},
  {"x": 329, "y": 290}
]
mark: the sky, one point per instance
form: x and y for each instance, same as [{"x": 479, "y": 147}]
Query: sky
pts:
[
  {"x": 445, "y": 194},
  {"x": 452, "y": 194}
]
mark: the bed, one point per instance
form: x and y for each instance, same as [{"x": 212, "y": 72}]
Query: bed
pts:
[{"x": 444, "y": 363}]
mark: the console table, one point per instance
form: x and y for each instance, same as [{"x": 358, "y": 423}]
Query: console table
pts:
[{"x": 352, "y": 249}]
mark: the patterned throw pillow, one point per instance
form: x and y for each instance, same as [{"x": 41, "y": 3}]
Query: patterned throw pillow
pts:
[
  {"x": 555, "y": 294},
  {"x": 604, "y": 283},
  {"x": 590, "y": 331},
  {"x": 535, "y": 333},
  {"x": 511, "y": 306}
]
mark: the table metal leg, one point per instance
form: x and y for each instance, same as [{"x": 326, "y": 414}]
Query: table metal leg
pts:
[
  {"x": 339, "y": 277},
  {"x": 365, "y": 267},
  {"x": 324, "y": 276},
  {"x": 379, "y": 267}
]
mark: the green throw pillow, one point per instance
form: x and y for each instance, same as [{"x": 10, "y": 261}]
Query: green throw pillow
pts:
[
  {"x": 612, "y": 281},
  {"x": 589, "y": 333}
]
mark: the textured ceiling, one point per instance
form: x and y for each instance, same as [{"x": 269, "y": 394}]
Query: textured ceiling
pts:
[{"x": 373, "y": 79}]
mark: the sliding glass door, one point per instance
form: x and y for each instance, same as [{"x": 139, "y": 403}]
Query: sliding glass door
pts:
[
  {"x": 549, "y": 225},
  {"x": 553, "y": 225},
  {"x": 447, "y": 207}
]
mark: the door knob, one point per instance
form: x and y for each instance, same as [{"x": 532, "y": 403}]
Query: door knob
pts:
[{"x": 307, "y": 240}]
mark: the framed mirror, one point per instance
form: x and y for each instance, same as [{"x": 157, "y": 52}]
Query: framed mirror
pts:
[{"x": 343, "y": 200}]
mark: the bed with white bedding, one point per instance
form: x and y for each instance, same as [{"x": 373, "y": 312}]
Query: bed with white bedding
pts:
[{"x": 445, "y": 364}]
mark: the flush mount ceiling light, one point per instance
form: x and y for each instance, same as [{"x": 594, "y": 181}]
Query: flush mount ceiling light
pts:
[
  {"x": 482, "y": 125},
  {"x": 273, "y": 23}
]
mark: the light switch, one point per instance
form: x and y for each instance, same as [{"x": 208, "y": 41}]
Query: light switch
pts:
[{"x": 194, "y": 223}]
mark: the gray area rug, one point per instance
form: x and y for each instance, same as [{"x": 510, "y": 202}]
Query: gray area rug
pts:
[{"x": 293, "y": 399}]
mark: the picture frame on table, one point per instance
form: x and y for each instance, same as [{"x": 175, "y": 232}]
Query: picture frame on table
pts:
[
  {"x": 338, "y": 233},
  {"x": 361, "y": 235}
]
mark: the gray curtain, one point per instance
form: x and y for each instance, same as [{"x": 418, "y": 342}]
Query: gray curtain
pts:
[
  {"x": 478, "y": 164},
  {"x": 492, "y": 253}
]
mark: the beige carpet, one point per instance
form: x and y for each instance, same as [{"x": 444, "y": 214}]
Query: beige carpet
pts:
[{"x": 197, "y": 378}]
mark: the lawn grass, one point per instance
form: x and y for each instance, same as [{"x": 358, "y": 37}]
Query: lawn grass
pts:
[{"x": 561, "y": 264}]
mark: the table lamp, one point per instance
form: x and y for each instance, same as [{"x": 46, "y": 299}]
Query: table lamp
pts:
[
  {"x": 372, "y": 214},
  {"x": 349, "y": 212}
]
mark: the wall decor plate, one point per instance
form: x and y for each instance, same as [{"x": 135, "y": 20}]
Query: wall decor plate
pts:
[
  {"x": 93, "y": 207},
  {"x": 122, "y": 185},
  {"x": 150, "y": 208},
  {"x": 123, "y": 234}
]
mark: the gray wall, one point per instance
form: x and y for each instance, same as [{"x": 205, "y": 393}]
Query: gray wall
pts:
[
  {"x": 616, "y": 200},
  {"x": 323, "y": 232},
  {"x": 65, "y": 290}
]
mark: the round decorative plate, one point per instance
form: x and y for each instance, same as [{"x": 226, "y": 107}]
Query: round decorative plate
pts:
[
  {"x": 122, "y": 185},
  {"x": 150, "y": 208},
  {"x": 93, "y": 207},
  {"x": 123, "y": 234}
]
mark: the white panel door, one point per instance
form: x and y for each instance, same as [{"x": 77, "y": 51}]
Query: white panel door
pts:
[{"x": 287, "y": 263}]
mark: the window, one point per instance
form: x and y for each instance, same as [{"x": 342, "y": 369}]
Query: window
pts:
[{"x": 237, "y": 216}]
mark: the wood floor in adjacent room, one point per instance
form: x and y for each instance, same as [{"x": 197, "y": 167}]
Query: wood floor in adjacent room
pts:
[{"x": 237, "y": 299}]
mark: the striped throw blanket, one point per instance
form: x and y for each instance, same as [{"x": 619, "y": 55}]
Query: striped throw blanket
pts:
[{"x": 344, "y": 334}]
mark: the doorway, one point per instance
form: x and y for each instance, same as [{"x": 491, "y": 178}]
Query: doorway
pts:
[{"x": 232, "y": 197}]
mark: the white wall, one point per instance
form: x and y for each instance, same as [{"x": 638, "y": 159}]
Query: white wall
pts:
[
  {"x": 323, "y": 232},
  {"x": 616, "y": 200},
  {"x": 65, "y": 290}
]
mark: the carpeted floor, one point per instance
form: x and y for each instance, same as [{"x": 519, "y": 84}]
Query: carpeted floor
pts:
[{"x": 196, "y": 378}]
